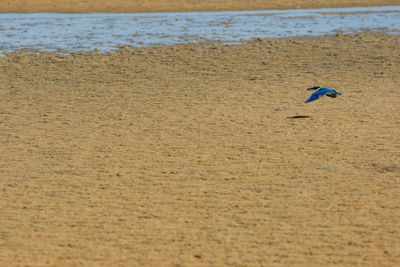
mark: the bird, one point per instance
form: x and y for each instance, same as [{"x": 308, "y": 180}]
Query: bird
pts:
[{"x": 321, "y": 91}]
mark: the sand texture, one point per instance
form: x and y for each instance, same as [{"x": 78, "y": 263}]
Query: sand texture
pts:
[
  {"x": 175, "y": 5},
  {"x": 188, "y": 154}
]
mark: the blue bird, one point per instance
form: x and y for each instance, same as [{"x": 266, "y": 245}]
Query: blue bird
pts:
[{"x": 321, "y": 92}]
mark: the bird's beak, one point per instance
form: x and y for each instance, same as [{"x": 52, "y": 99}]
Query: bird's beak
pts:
[{"x": 311, "y": 88}]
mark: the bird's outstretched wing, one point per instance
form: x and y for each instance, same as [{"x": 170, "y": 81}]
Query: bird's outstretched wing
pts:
[{"x": 313, "y": 96}]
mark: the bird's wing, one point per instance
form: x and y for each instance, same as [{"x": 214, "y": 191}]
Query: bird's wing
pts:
[{"x": 314, "y": 96}]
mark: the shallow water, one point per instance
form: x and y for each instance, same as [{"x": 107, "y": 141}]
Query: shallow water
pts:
[{"x": 106, "y": 32}]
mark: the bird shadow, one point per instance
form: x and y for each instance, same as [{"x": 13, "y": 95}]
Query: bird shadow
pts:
[{"x": 299, "y": 117}]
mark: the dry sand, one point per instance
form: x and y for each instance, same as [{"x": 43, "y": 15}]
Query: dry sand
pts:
[
  {"x": 175, "y": 5},
  {"x": 187, "y": 155}
]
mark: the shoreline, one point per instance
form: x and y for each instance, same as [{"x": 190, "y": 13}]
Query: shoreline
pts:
[
  {"x": 209, "y": 43},
  {"x": 185, "y": 28},
  {"x": 137, "y": 6}
]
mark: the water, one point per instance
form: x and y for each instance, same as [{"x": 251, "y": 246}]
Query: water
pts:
[{"x": 106, "y": 32}]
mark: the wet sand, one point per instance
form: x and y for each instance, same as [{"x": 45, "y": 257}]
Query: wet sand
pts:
[
  {"x": 189, "y": 155},
  {"x": 175, "y": 5}
]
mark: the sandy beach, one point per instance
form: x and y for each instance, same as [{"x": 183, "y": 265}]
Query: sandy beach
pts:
[
  {"x": 185, "y": 155},
  {"x": 202, "y": 155},
  {"x": 73, "y": 6}
]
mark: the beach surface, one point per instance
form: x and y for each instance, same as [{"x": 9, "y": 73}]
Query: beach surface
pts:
[
  {"x": 203, "y": 155},
  {"x": 68, "y": 6}
]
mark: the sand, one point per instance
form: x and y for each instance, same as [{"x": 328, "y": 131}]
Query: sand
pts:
[
  {"x": 188, "y": 155},
  {"x": 175, "y": 5}
]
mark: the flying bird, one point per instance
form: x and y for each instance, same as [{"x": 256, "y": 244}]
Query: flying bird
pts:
[{"x": 321, "y": 92}]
